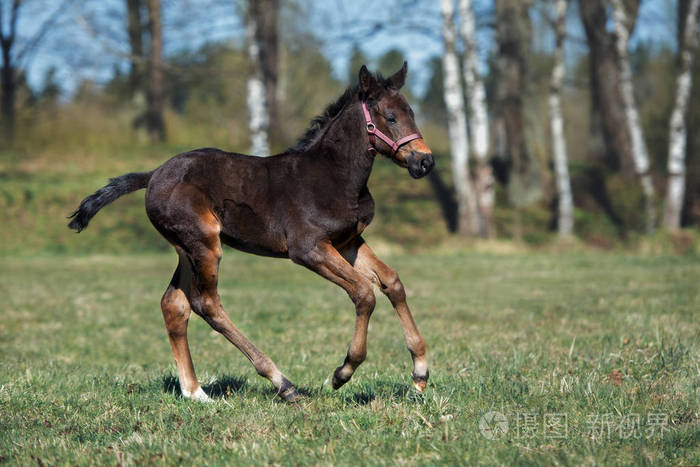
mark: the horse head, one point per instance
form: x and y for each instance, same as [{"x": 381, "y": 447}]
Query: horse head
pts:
[{"x": 391, "y": 123}]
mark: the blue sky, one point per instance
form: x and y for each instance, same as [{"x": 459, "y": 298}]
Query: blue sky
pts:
[{"x": 96, "y": 40}]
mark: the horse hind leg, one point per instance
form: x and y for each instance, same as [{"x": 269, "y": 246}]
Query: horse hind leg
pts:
[
  {"x": 175, "y": 305},
  {"x": 205, "y": 255},
  {"x": 187, "y": 221}
]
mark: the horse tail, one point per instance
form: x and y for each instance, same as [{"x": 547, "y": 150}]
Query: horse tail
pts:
[{"x": 116, "y": 187}]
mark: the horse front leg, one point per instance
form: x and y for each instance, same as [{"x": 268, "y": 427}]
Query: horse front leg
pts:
[
  {"x": 325, "y": 260},
  {"x": 363, "y": 259}
]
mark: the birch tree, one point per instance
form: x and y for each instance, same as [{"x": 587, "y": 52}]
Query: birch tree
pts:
[
  {"x": 607, "y": 116},
  {"x": 675, "y": 191},
  {"x": 565, "y": 207},
  {"x": 256, "y": 99},
  {"x": 640, "y": 154},
  {"x": 467, "y": 220},
  {"x": 478, "y": 120}
]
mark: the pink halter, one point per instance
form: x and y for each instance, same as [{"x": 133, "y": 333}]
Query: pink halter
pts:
[{"x": 373, "y": 131}]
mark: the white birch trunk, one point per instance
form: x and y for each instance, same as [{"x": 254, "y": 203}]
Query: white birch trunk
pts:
[
  {"x": 565, "y": 222},
  {"x": 478, "y": 119},
  {"x": 675, "y": 190},
  {"x": 259, "y": 119},
  {"x": 640, "y": 154},
  {"x": 467, "y": 220}
]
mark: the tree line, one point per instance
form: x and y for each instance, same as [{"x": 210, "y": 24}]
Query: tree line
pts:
[
  {"x": 486, "y": 111},
  {"x": 614, "y": 108}
]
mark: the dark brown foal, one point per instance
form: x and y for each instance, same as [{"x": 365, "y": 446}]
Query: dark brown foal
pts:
[{"x": 310, "y": 204}]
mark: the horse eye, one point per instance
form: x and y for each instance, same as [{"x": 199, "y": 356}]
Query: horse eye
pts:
[{"x": 390, "y": 119}]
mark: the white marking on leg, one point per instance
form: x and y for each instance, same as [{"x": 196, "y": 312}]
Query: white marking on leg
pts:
[
  {"x": 420, "y": 370},
  {"x": 420, "y": 367},
  {"x": 200, "y": 395},
  {"x": 197, "y": 395}
]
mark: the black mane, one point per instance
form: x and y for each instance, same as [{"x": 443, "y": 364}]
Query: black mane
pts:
[{"x": 332, "y": 110}]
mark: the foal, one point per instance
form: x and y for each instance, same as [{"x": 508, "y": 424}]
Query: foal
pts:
[{"x": 309, "y": 204}]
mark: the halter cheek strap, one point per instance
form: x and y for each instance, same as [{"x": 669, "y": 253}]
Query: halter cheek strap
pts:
[{"x": 374, "y": 132}]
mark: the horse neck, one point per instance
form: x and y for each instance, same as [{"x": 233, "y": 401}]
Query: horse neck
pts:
[{"x": 343, "y": 148}]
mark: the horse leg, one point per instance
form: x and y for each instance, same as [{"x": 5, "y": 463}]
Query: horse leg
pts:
[
  {"x": 184, "y": 216},
  {"x": 325, "y": 260},
  {"x": 205, "y": 302},
  {"x": 175, "y": 305},
  {"x": 363, "y": 259}
]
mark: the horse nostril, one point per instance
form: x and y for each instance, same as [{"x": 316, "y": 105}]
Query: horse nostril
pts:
[
  {"x": 419, "y": 163},
  {"x": 427, "y": 163}
]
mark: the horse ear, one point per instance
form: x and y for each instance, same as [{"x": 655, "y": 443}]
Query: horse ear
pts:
[
  {"x": 398, "y": 79},
  {"x": 367, "y": 81}
]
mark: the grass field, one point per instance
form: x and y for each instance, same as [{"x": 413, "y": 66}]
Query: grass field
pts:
[{"x": 591, "y": 358}]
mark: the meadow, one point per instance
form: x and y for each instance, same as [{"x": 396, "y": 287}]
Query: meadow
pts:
[
  {"x": 588, "y": 358},
  {"x": 541, "y": 351}
]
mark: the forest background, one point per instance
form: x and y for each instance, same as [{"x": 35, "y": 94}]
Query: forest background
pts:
[{"x": 94, "y": 89}]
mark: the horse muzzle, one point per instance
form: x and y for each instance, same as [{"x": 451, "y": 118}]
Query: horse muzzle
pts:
[{"x": 420, "y": 164}]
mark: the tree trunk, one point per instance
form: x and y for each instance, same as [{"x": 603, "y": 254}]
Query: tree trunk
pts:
[
  {"x": 513, "y": 32},
  {"x": 154, "y": 113},
  {"x": 256, "y": 98},
  {"x": 266, "y": 12},
  {"x": 135, "y": 25},
  {"x": 7, "y": 75},
  {"x": 677, "y": 134},
  {"x": 565, "y": 220},
  {"x": 606, "y": 94},
  {"x": 11, "y": 63},
  {"x": 640, "y": 154},
  {"x": 8, "y": 83},
  {"x": 467, "y": 220},
  {"x": 478, "y": 121}
]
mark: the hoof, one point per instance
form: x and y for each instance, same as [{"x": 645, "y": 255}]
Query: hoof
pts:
[
  {"x": 287, "y": 391},
  {"x": 290, "y": 395},
  {"x": 420, "y": 382},
  {"x": 338, "y": 379},
  {"x": 198, "y": 395}
]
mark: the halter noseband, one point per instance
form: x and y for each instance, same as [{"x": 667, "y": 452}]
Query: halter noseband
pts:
[{"x": 373, "y": 131}]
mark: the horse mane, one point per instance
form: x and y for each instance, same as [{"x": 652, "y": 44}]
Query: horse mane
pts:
[{"x": 320, "y": 122}]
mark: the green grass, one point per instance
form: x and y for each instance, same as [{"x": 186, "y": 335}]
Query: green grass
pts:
[{"x": 86, "y": 372}]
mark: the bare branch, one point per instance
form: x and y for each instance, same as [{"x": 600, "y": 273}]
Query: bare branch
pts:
[
  {"x": 10, "y": 38},
  {"x": 92, "y": 32},
  {"x": 32, "y": 43},
  {"x": 13, "y": 20}
]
